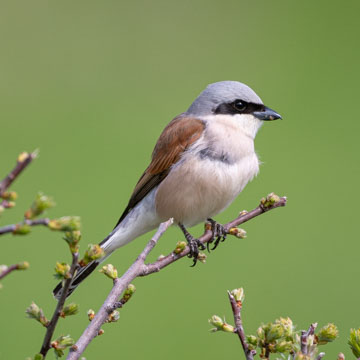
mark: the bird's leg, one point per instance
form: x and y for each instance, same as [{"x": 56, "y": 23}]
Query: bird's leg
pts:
[
  {"x": 194, "y": 244},
  {"x": 218, "y": 232}
]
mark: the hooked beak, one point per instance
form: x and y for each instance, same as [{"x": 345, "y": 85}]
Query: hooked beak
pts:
[{"x": 267, "y": 114}]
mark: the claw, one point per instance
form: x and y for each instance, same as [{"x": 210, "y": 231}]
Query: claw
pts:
[
  {"x": 194, "y": 245},
  {"x": 219, "y": 233}
]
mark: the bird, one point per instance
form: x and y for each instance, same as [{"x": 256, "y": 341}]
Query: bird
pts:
[{"x": 201, "y": 162}]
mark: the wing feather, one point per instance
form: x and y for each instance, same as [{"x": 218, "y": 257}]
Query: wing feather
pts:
[{"x": 178, "y": 135}]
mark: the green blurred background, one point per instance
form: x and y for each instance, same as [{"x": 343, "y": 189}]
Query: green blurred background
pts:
[{"x": 93, "y": 83}]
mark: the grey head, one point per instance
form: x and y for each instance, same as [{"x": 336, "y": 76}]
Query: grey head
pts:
[{"x": 230, "y": 97}]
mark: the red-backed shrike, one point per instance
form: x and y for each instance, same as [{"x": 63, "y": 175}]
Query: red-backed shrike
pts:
[{"x": 201, "y": 162}]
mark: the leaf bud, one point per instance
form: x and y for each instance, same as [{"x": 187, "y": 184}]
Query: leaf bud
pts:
[
  {"x": 92, "y": 253},
  {"x": 354, "y": 342},
  {"x": 238, "y": 232},
  {"x": 62, "y": 271},
  {"x": 36, "y": 313},
  {"x": 326, "y": 334},
  {"x": 202, "y": 257},
  {"x": 239, "y": 295},
  {"x": 41, "y": 203},
  {"x": 22, "y": 229},
  {"x": 110, "y": 271},
  {"x": 65, "y": 223},
  {"x": 23, "y": 265},
  {"x": 71, "y": 309},
  {"x": 180, "y": 247},
  {"x": 91, "y": 314}
]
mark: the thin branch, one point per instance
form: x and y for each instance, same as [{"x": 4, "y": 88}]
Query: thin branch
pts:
[
  {"x": 9, "y": 269},
  {"x": 11, "y": 228},
  {"x": 169, "y": 259},
  {"x": 59, "y": 307},
  {"x": 120, "y": 285},
  {"x": 23, "y": 161},
  {"x": 236, "y": 309},
  {"x": 304, "y": 337},
  {"x": 139, "y": 268}
]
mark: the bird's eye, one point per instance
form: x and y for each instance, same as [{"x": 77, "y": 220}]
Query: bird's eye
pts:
[{"x": 240, "y": 105}]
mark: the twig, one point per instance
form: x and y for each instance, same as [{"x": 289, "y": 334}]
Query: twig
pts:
[
  {"x": 9, "y": 269},
  {"x": 139, "y": 268},
  {"x": 169, "y": 259},
  {"x": 320, "y": 356},
  {"x": 236, "y": 309},
  {"x": 23, "y": 161},
  {"x": 11, "y": 228},
  {"x": 59, "y": 307},
  {"x": 304, "y": 337}
]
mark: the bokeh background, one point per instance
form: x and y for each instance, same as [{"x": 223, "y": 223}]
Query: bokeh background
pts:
[{"x": 93, "y": 83}]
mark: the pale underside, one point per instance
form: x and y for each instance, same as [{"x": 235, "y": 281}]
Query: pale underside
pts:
[{"x": 208, "y": 176}]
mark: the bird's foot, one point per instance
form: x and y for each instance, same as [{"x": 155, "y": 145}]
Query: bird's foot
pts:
[
  {"x": 218, "y": 234},
  {"x": 194, "y": 245}
]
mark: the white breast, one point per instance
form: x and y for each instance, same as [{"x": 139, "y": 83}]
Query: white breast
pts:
[{"x": 210, "y": 175}]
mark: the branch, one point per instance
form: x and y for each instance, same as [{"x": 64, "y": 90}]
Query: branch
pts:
[
  {"x": 46, "y": 346},
  {"x": 12, "y": 228},
  {"x": 8, "y": 269},
  {"x": 236, "y": 309},
  {"x": 139, "y": 268},
  {"x": 242, "y": 218},
  {"x": 304, "y": 337},
  {"x": 23, "y": 161}
]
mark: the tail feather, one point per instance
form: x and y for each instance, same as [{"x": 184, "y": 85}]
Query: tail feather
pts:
[{"x": 81, "y": 274}]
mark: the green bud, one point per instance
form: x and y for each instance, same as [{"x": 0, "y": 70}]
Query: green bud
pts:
[
  {"x": 65, "y": 223},
  {"x": 110, "y": 271},
  {"x": 238, "y": 232},
  {"x": 23, "y": 265},
  {"x": 283, "y": 346},
  {"x": 61, "y": 343},
  {"x": 354, "y": 342},
  {"x": 38, "y": 357},
  {"x": 252, "y": 340},
  {"x": 22, "y": 229},
  {"x": 261, "y": 333},
  {"x": 92, "y": 253},
  {"x": 274, "y": 332},
  {"x": 238, "y": 294},
  {"x": 34, "y": 312},
  {"x": 161, "y": 257},
  {"x": 202, "y": 257},
  {"x": 9, "y": 195},
  {"x": 113, "y": 317},
  {"x": 91, "y": 314},
  {"x": 8, "y": 204},
  {"x": 62, "y": 271},
  {"x": 287, "y": 324},
  {"x": 128, "y": 293},
  {"x": 100, "y": 332},
  {"x": 270, "y": 200},
  {"x": 73, "y": 238},
  {"x": 217, "y": 322},
  {"x": 220, "y": 325},
  {"x": 41, "y": 203},
  {"x": 180, "y": 247},
  {"x": 23, "y": 157},
  {"x": 327, "y": 334},
  {"x": 69, "y": 310},
  {"x": 228, "y": 328}
]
